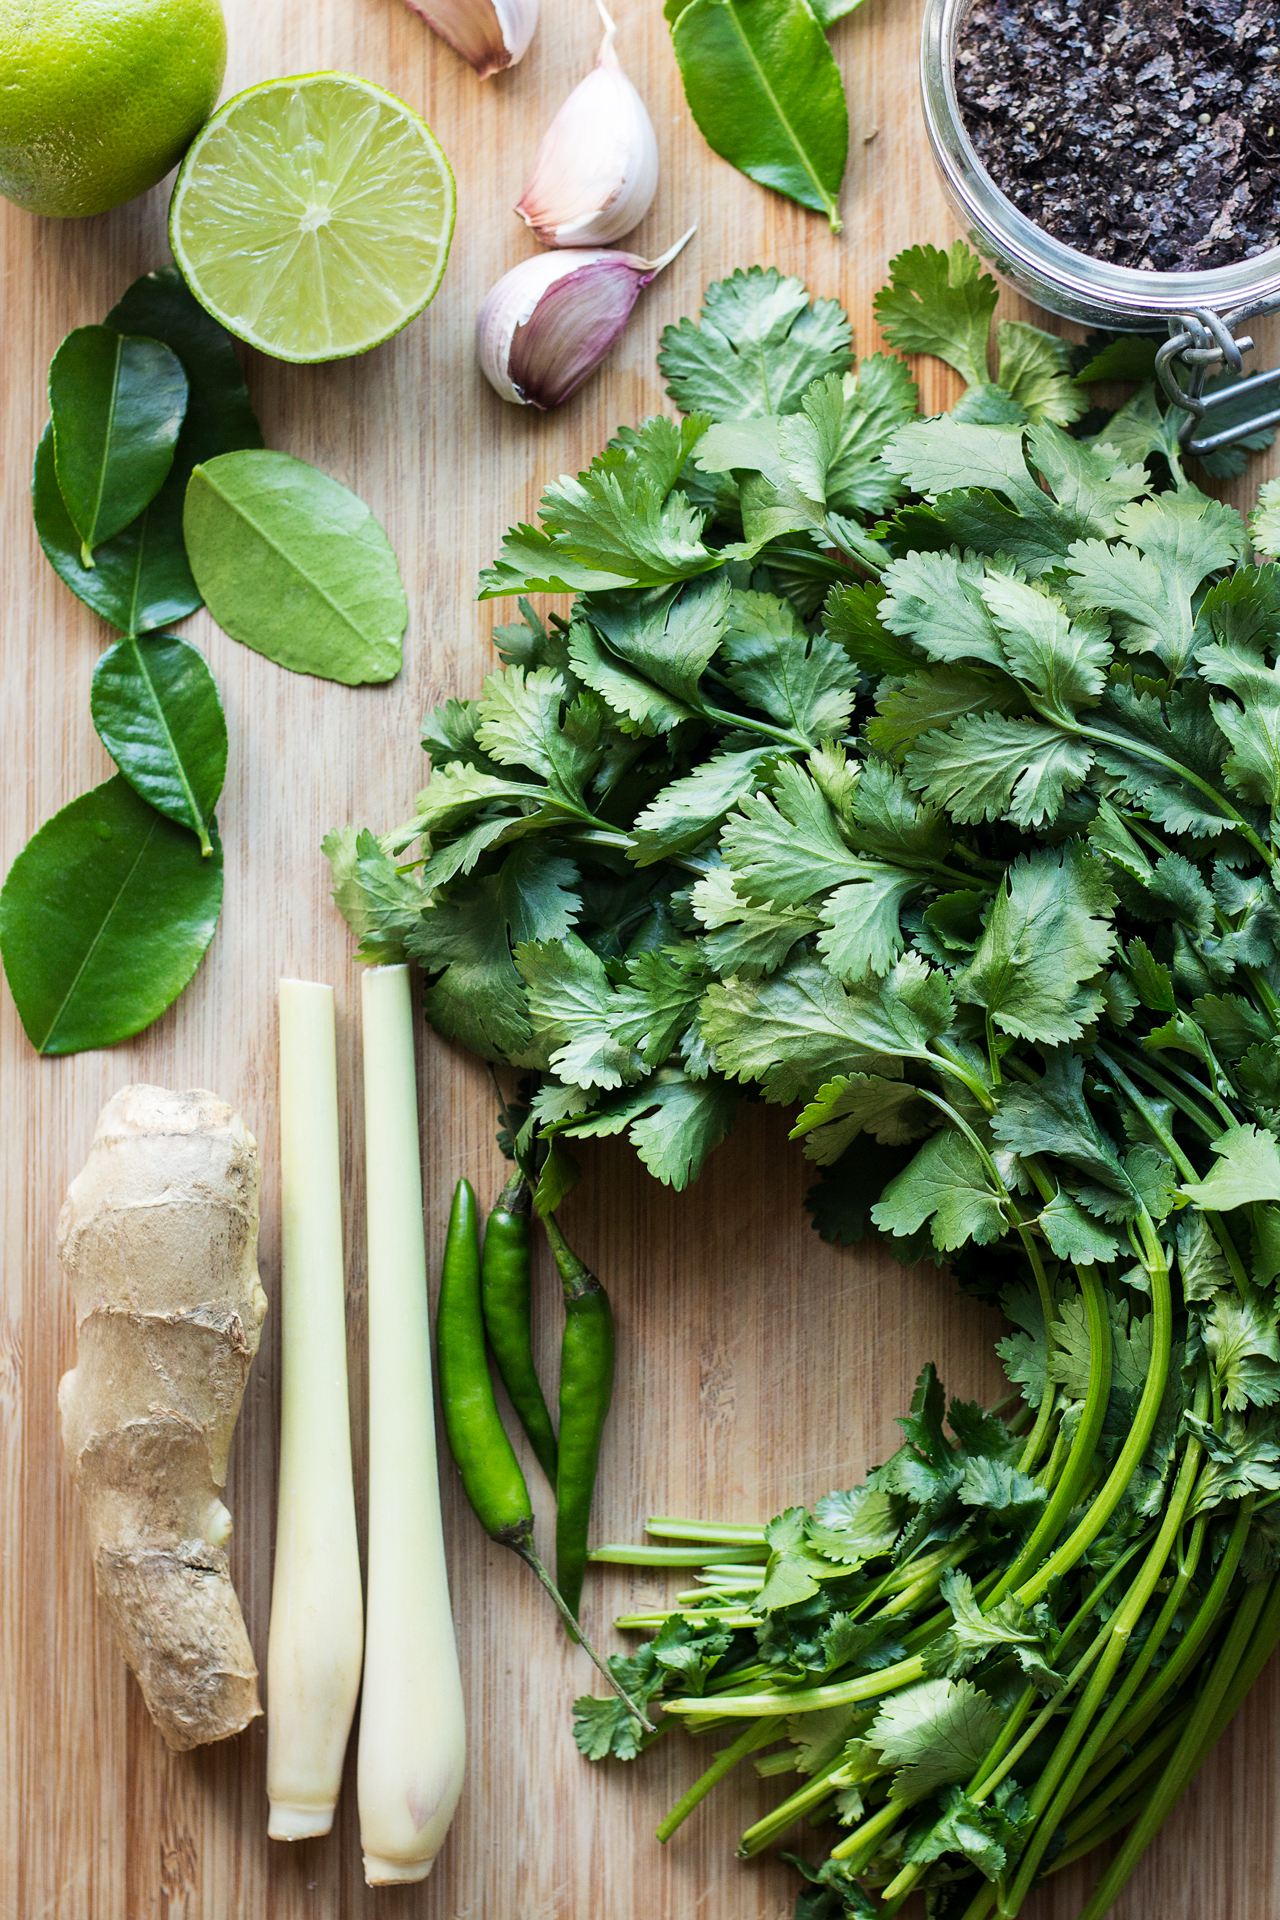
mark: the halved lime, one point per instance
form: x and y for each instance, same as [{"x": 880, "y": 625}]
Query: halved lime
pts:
[{"x": 313, "y": 215}]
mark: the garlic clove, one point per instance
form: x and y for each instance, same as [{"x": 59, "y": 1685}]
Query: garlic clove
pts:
[
  {"x": 549, "y": 323},
  {"x": 489, "y": 34},
  {"x": 596, "y": 171}
]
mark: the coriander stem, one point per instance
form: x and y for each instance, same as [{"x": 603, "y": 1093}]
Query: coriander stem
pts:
[
  {"x": 1187, "y": 1755},
  {"x": 747, "y": 1742},
  {"x": 1105, "y": 1502},
  {"x": 1080, "y": 1458}
]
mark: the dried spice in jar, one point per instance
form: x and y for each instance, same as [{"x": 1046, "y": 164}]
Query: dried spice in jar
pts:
[{"x": 1146, "y": 132}]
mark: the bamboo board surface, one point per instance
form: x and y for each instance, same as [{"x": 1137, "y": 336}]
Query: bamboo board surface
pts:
[{"x": 757, "y": 1367}]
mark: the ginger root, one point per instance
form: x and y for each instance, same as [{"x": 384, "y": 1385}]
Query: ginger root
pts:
[{"x": 158, "y": 1239}]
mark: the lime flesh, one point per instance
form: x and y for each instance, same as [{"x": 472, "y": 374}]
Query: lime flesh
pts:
[{"x": 313, "y": 215}]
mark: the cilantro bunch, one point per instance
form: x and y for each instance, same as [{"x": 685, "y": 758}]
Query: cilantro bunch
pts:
[{"x": 922, "y": 774}]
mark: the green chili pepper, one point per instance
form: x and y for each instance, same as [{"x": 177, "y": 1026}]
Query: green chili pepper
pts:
[
  {"x": 491, "y": 1474},
  {"x": 504, "y": 1279},
  {"x": 586, "y": 1386}
]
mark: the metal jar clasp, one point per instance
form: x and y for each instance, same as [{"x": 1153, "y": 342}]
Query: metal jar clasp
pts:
[{"x": 1201, "y": 342}]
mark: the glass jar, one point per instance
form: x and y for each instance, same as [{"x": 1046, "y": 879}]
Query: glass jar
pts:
[{"x": 1200, "y": 310}]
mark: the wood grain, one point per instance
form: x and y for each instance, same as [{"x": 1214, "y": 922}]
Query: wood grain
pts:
[{"x": 757, "y": 1366}]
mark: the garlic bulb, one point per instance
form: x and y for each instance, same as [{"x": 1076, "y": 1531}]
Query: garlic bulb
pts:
[
  {"x": 489, "y": 34},
  {"x": 596, "y": 171},
  {"x": 550, "y": 322}
]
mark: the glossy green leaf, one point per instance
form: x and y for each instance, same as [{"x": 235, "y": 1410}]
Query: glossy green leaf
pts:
[
  {"x": 140, "y": 579},
  {"x": 157, "y": 711},
  {"x": 294, "y": 565},
  {"x": 767, "y": 94},
  {"x": 117, "y": 402},
  {"x": 104, "y": 917}
]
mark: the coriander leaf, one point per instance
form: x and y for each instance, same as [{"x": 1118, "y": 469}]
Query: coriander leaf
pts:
[
  {"x": 800, "y": 1028},
  {"x": 975, "y": 1635},
  {"x": 853, "y": 622},
  {"x": 991, "y": 766},
  {"x": 785, "y": 850},
  {"x": 1183, "y": 732},
  {"x": 1241, "y": 1340},
  {"x": 939, "y": 456},
  {"x": 1123, "y": 356},
  {"x": 1047, "y": 934},
  {"x": 861, "y": 921},
  {"x": 760, "y": 344},
  {"x": 466, "y": 938},
  {"x": 636, "y": 704},
  {"x": 521, "y": 722},
  {"x": 672, "y": 1121},
  {"x": 1247, "y": 1168},
  {"x": 966, "y": 1827},
  {"x": 932, "y": 702},
  {"x": 1073, "y": 1235},
  {"x": 669, "y": 636},
  {"x": 1091, "y": 485},
  {"x": 377, "y": 902},
  {"x": 604, "y": 1727},
  {"x": 1244, "y": 1459},
  {"x": 618, "y": 524},
  {"x": 766, "y": 93},
  {"x": 117, "y": 402},
  {"x": 792, "y": 1572},
  {"x": 840, "y": 1203},
  {"x": 937, "y": 599},
  {"x": 855, "y": 1526},
  {"x": 685, "y": 813},
  {"x": 292, "y": 564},
  {"x": 1063, "y": 661},
  {"x": 1052, "y": 1116},
  {"x": 935, "y": 1733},
  {"x": 572, "y": 1012},
  {"x": 104, "y": 917},
  {"x": 742, "y": 938},
  {"x": 1025, "y": 1354},
  {"x": 660, "y": 999},
  {"x": 1001, "y": 1491},
  {"x": 1139, "y": 428},
  {"x": 1201, "y": 1261},
  {"x": 889, "y": 822},
  {"x": 803, "y": 681},
  {"x": 1264, "y": 521},
  {"x": 1034, "y": 367},
  {"x": 448, "y": 732},
  {"x": 940, "y": 303},
  {"x": 889, "y": 1110},
  {"x": 879, "y": 399},
  {"x": 156, "y": 708},
  {"x": 458, "y": 790},
  {"x": 1149, "y": 610},
  {"x": 947, "y": 1185}
]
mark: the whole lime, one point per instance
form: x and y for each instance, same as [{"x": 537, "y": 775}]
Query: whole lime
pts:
[{"x": 99, "y": 98}]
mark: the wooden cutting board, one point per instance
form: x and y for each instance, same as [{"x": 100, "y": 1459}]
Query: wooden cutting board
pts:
[{"x": 757, "y": 1367}]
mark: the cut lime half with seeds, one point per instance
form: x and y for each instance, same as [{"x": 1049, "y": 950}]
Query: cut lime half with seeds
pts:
[{"x": 313, "y": 215}]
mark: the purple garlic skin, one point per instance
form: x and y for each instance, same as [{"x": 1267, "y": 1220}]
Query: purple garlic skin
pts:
[{"x": 550, "y": 321}]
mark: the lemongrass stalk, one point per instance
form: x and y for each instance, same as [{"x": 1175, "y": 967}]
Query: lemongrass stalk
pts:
[
  {"x": 413, "y": 1737},
  {"x": 314, "y": 1642}
]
